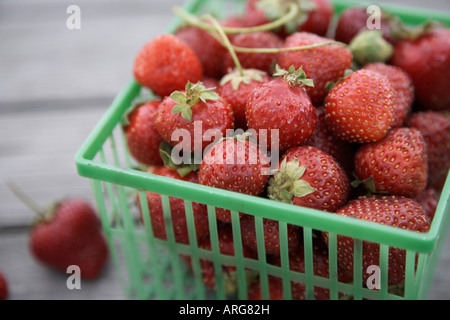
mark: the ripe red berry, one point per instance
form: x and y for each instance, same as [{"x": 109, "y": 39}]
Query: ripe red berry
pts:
[
  {"x": 143, "y": 140},
  {"x": 323, "y": 64},
  {"x": 177, "y": 210},
  {"x": 252, "y": 60},
  {"x": 271, "y": 235},
  {"x": 396, "y": 164},
  {"x": 235, "y": 164},
  {"x": 210, "y": 51},
  {"x": 184, "y": 117},
  {"x": 435, "y": 129},
  {"x": 70, "y": 234},
  {"x": 399, "y": 212},
  {"x": 3, "y": 287},
  {"x": 311, "y": 178},
  {"x": 403, "y": 90},
  {"x": 360, "y": 109},
  {"x": 281, "y": 107},
  {"x": 166, "y": 64},
  {"x": 427, "y": 61},
  {"x": 236, "y": 90}
]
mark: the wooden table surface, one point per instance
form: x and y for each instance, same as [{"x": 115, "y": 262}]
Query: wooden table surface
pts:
[{"x": 55, "y": 85}]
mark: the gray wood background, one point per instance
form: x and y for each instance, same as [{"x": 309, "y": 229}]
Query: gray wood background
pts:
[{"x": 55, "y": 85}]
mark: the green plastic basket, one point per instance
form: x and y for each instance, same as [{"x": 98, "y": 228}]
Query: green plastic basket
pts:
[{"x": 150, "y": 268}]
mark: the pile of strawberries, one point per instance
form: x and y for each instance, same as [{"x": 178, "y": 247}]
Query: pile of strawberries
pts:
[{"x": 366, "y": 138}]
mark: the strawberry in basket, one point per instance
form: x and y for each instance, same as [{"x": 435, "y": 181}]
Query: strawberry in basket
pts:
[
  {"x": 297, "y": 263},
  {"x": 184, "y": 117},
  {"x": 177, "y": 210},
  {"x": 229, "y": 274},
  {"x": 165, "y": 64},
  {"x": 399, "y": 212},
  {"x": 143, "y": 140},
  {"x": 236, "y": 164}
]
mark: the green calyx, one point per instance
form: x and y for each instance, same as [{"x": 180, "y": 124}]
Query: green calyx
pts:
[
  {"x": 247, "y": 75},
  {"x": 193, "y": 94},
  {"x": 183, "y": 169},
  {"x": 369, "y": 46},
  {"x": 276, "y": 9},
  {"x": 287, "y": 182},
  {"x": 293, "y": 77}
]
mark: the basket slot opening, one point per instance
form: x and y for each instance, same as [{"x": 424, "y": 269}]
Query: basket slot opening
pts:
[
  {"x": 263, "y": 276},
  {"x": 238, "y": 251}
]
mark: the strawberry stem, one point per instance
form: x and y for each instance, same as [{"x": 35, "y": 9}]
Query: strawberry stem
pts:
[
  {"x": 227, "y": 43},
  {"x": 30, "y": 203},
  {"x": 194, "y": 20}
]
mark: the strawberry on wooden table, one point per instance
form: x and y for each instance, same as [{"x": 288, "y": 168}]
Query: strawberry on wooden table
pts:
[
  {"x": 360, "y": 108},
  {"x": 236, "y": 164},
  {"x": 283, "y": 107},
  {"x": 67, "y": 233},
  {"x": 3, "y": 287},
  {"x": 142, "y": 138},
  {"x": 398, "y": 212},
  {"x": 322, "y": 64},
  {"x": 396, "y": 164},
  {"x": 194, "y": 106},
  {"x": 166, "y": 64}
]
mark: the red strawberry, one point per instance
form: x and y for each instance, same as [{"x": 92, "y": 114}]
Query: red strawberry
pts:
[
  {"x": 236, "y": 164},
  {"x": 360, "y": 108},
  {"x": 297, "y": 264},
  {"x": 427, "y": 60},
  {"x": 271, "y": 235},
  {"x": 236, "y": 89},
  {"x": 311, "y": 178},
  {"x": 252, "y": 60},
  {"x": 397, "y": 164},
  {"x": 3, "y": 287},
  {"x": 435, "y": 129},
  {"x": 428, "y": 199},
  {"x": 398, "y": 212},
  {"x": 166, "y": 64},
  {"x": 283, "y": 107},
  {"x": 177, "y": 210},
  {"x": 403, "y": 90},
  {"x": 323, "y": 139},
  {"x": 226, "y": 247},
  {"x": 142, "y": 138},
  {"x": 323, "y": 64},
  {"x": 70, "y": 233},
  {"x": 353, "y": 20},
  {"x": 210, "y": 51},
  {"x": 275, "y": 289},
  {"x": 195, "y": 106},
  {"x": 313, "y": 15}
]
